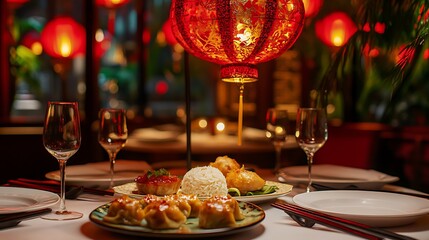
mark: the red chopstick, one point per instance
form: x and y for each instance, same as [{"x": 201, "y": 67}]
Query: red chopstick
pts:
[
  {"x": 53, "y": 186},
  {"x": 345, "y": 225},
  {"x": 56, "y": 183}
]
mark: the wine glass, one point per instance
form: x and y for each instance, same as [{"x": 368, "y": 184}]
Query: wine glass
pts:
[
  {"x": 311, "y": 133},
  {"x": 61, "y": 138},
  {"x": 277, "y": 123},
  {"x": 112, "y": 135}
]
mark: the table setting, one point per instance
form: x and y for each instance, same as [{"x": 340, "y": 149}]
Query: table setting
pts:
[{"x": 222, "y": 198}]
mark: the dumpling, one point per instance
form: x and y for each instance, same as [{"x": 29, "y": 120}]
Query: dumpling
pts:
[
  {"x": 219, "y": 211},
  {"x": 164, "y": 214},
  {"x": 189, "y": 204},
  {"x": 125, "y": 210}
]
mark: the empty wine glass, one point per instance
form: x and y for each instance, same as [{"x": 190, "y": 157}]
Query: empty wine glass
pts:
[
  {"x": 112, "y": 135},
  {"x": 277, "y": 124},
  {"x": 311, "y": 133},
  {"x": 61, "y": 138}
]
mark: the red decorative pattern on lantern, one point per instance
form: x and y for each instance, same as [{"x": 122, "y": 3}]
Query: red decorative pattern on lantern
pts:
[
  {"x": 237, "y": 34},
  {"x": 63, "y": 37}
]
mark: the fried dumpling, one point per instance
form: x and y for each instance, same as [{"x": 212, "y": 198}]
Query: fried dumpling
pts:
[
  {"x": 125, "y": 210},
  {"x": 244, "y": 180},
  {"x": 219, "y": 211},
  {"x": 225, "y": 164},
  {"x": 189, "y": 204},
  {"x": 164, "y": 214}
]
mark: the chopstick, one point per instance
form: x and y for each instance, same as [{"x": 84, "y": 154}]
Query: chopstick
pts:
[
  {"x": 53, "y": 186},
  {"x": 345, "y": 225},
  {"x": 13, "y": 219}
]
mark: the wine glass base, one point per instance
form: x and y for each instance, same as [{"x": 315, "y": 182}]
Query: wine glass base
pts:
[{"x": 60, "y": 216}]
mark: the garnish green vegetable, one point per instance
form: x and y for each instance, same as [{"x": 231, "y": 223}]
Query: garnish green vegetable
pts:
[{"x": 266, "y": 189}]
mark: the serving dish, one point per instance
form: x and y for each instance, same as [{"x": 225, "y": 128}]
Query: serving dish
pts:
[
  {"x": 130, "y": 189},
  {"x": 253, "y": 216},
  {"x": 16, "y": 199},
  {"x": 337, "y": 177},
  {"x": 378, "y": 209}
]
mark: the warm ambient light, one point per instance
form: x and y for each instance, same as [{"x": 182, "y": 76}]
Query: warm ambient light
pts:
[
  {"x": 335, "y": 29},
  {"x": 63, "y": 38}
]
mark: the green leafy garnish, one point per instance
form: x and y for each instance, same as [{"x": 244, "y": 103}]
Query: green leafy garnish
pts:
[
  {"x": 234, "y": 192},
  {"x": 157, "y": 173},
  {"x": 266, "y": 189}
]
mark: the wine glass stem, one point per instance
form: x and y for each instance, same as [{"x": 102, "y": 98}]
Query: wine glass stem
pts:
[
  {"x": 278, "y": 149},
  {"x": 309, "y": 163},
  {"x": 112, "y": 168},
  {"x": 62, "y": 163}
]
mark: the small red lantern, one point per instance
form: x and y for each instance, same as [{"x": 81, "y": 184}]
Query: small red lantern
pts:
[
  {"x": 335, "y": 29},
  {"x": 63, "y": 37},
  {"x": 111, "y": 3},
  {"x": 312, "y": 7}
]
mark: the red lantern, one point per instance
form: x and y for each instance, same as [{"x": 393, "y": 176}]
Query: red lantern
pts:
[
  {"x": 63, "y": 37},
  {"x": 237, "y": 34},
  {"x": 312, "y": 7},
  {"x": 111, "y": 3},
  {"x": 335, "y": 29}
]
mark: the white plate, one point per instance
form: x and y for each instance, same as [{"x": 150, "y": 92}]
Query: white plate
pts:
[
  {"x": 97, "y": 175},
  {"x": 130, "y": 189},
  {"x": 339, "y": 177},
  {"x": 378, "y": 209},
  {"x": 15, "y": 200}
]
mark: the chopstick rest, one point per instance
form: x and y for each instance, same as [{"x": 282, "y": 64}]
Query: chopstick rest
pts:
[
  {"x": 308, "y": 218},
  {"x": 13, "y": 219}
]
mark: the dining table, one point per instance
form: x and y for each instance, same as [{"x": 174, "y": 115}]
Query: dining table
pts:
[{"x": 276, "y": 225}]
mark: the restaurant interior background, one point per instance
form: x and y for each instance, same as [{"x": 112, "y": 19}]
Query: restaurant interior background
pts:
[{"x": 125, "y": 56}]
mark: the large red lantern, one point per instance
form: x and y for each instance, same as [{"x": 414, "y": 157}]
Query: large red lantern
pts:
[
  {"x": 237, "y": 34},
  {"x": 335, "y": 29},
  {"x": 63, "y": 37}
]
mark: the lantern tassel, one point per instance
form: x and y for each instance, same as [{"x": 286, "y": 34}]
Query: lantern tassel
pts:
[{"x": 240, "y": 115}]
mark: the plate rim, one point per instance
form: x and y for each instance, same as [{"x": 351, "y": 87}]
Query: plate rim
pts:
[
  {"x": 384, "y": 179},
  {"x": 159, "y": 234},
  {"x": 357, "y": 193},
  {"x": 52, "y": 198},
  {"x": 253, "y": 198}
]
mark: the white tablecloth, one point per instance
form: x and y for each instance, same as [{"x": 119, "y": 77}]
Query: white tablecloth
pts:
[{"x": 276, "y": 225}]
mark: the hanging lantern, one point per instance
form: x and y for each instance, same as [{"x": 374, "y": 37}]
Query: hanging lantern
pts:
[
  {"x": 237, "y": 34},
  {"x": 63, "y": 37},
  {"x": 312, "y": 7},
  {"x": 335, "y": 29},
  {"x": 111, "y": 3}
]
